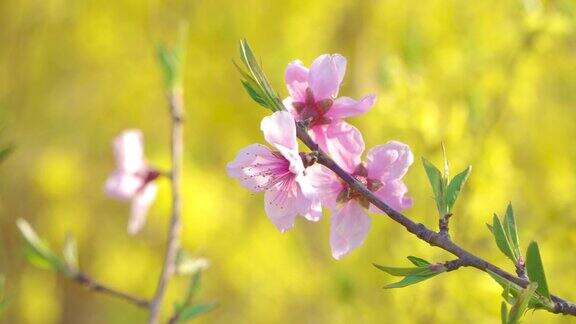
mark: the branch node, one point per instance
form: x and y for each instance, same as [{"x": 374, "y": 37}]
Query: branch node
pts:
[
  {"x": 521, "y": 268},
  {"x": 454, "y": 264},
  {"x": 444, "y": 225}
]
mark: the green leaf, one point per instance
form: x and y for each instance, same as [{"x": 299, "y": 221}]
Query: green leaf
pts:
[
  {"x": 455, "y": 187},
  {"x": 501, "y": 239},
  {"x": 410, "y": 280},
  {"x": 254, "y": 93},
  {"x": 446, "y": 167},
  {"x": 511, "y": 229},
  {"x": 256, "y": 82},
  {"x": 418, "y": 261},
  {"x": 503, "y": 313},
  {"x": 437, "y": 184},
  {"x": 400, "y": 272},
  {"x": 512, "y": 291},
  {"x": 194, "y": 285},
  {"x": 194, "y": 311},
  {"x": 535, "y": 269},
  {"x": 172, "y": 59},
  {"x": 521, "y": 303},
  {"x": 70, "y": 253},
  {"x": 490, "y": 228},
  {"x": 38, "y": 248}
]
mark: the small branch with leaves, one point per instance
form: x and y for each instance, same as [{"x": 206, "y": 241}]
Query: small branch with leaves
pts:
[
  {"x": 134, "y": 181},
  {"x": 40, "y": 254}
]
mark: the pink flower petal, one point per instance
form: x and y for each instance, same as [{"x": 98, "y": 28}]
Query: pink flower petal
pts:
[
  {"x": 393, "y": 193},
  {"x": 123, "y": 185},
  {"x": 140, "y": 205},
  {"x": 287, "y": 102},
  {"x": 346, "y": 107},
  {"x": 297, "y": 80},
  {"x": 280, "y": 130},
  {"x": 389, "y": 161},
  {"x": 282, "y": 206},
  {"x": 326, "y": 184},
  {"x": 326, "y": 75},
  {"x": 312, "y": 213},
  {"x": 256, "y": 167},
  {"x": 348, "y": 229},
  {"x": 129, "y": 151},
  {"x": 307, "y": 199},
  {"x": 285, "y": 201},
  {"x": 342, "y": 141}
]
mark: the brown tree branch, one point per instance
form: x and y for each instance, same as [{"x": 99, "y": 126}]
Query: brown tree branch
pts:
[
  {"x": 94, "y": 285},
  {"x": 433, "y": 238},
  {"x": 176, "y": 111}
]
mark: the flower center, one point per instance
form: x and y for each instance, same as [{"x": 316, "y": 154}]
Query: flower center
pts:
[
  {"x": 313, "y": 111},
  {"x": 349, "y": 193}
]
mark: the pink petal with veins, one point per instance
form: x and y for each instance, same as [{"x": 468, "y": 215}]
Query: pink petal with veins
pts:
[{"x": 348, "y": 229}]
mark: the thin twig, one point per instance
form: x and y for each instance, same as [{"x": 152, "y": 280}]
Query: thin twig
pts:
[
  {"x": 176, "y": 110},
  {"x": 94, "y": 285},
  {"x": 466, "y": 258}
]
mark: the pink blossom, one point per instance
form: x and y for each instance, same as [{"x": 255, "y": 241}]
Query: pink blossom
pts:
[
  {"x": 382, "y": 174},
  {"x": 133, "y": 178},
  {"x": 314, "y": 100},
  {"x": 280, "y": 173}
]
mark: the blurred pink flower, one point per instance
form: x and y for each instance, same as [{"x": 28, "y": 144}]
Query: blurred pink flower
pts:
[
  {"x": 382, "y": 174},
  {"x": 279, "y": 173},
  {"x": 133, "y": 178},
  {"x": 313, "y": 99}
]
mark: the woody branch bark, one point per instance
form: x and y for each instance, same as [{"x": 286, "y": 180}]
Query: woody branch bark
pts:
[
  {"x": 176, "y": 102},
  {"x": 466, "y": 258},
  {"x": 96, "y": 286}
]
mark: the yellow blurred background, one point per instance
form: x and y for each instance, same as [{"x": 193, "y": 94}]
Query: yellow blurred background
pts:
[{"x": 495, "y": 80}]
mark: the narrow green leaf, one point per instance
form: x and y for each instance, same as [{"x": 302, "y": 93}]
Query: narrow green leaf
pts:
[
  {"x": 437, "y": 184},
  {"x": 254, "y": 94},
  {"x": 419, "y": 262},
  {"x": 38, "y": 247},
  {"x": 400, "y": 272},
  {"x": 194, "y": 286},
  {"x": 194, "y": 311},
  {"x": 505, "y": 283},
  {"x": 70, "y": 253},
  {"x": 171, "y": 60},
  {"x": 490, "y": 228},
  {"x": 270, "y": 96},
  {"x": 446, "y": 166},
  {"x": 37, "y": 260},
  {"x": 508, "y": 294},
  {"x": 168, "y": 63},
  {"x": 504, "y": 313},
  {"x": 511, "y": 229},
  {"x": 535, "y": 269},
  {"x": 514, "y": 290},
  {"x": 455, "y": 186},
  {"x": 409, "y": 280},
  {"x": 521, "y": 303},
  {"x": 501, "y": 239}
]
